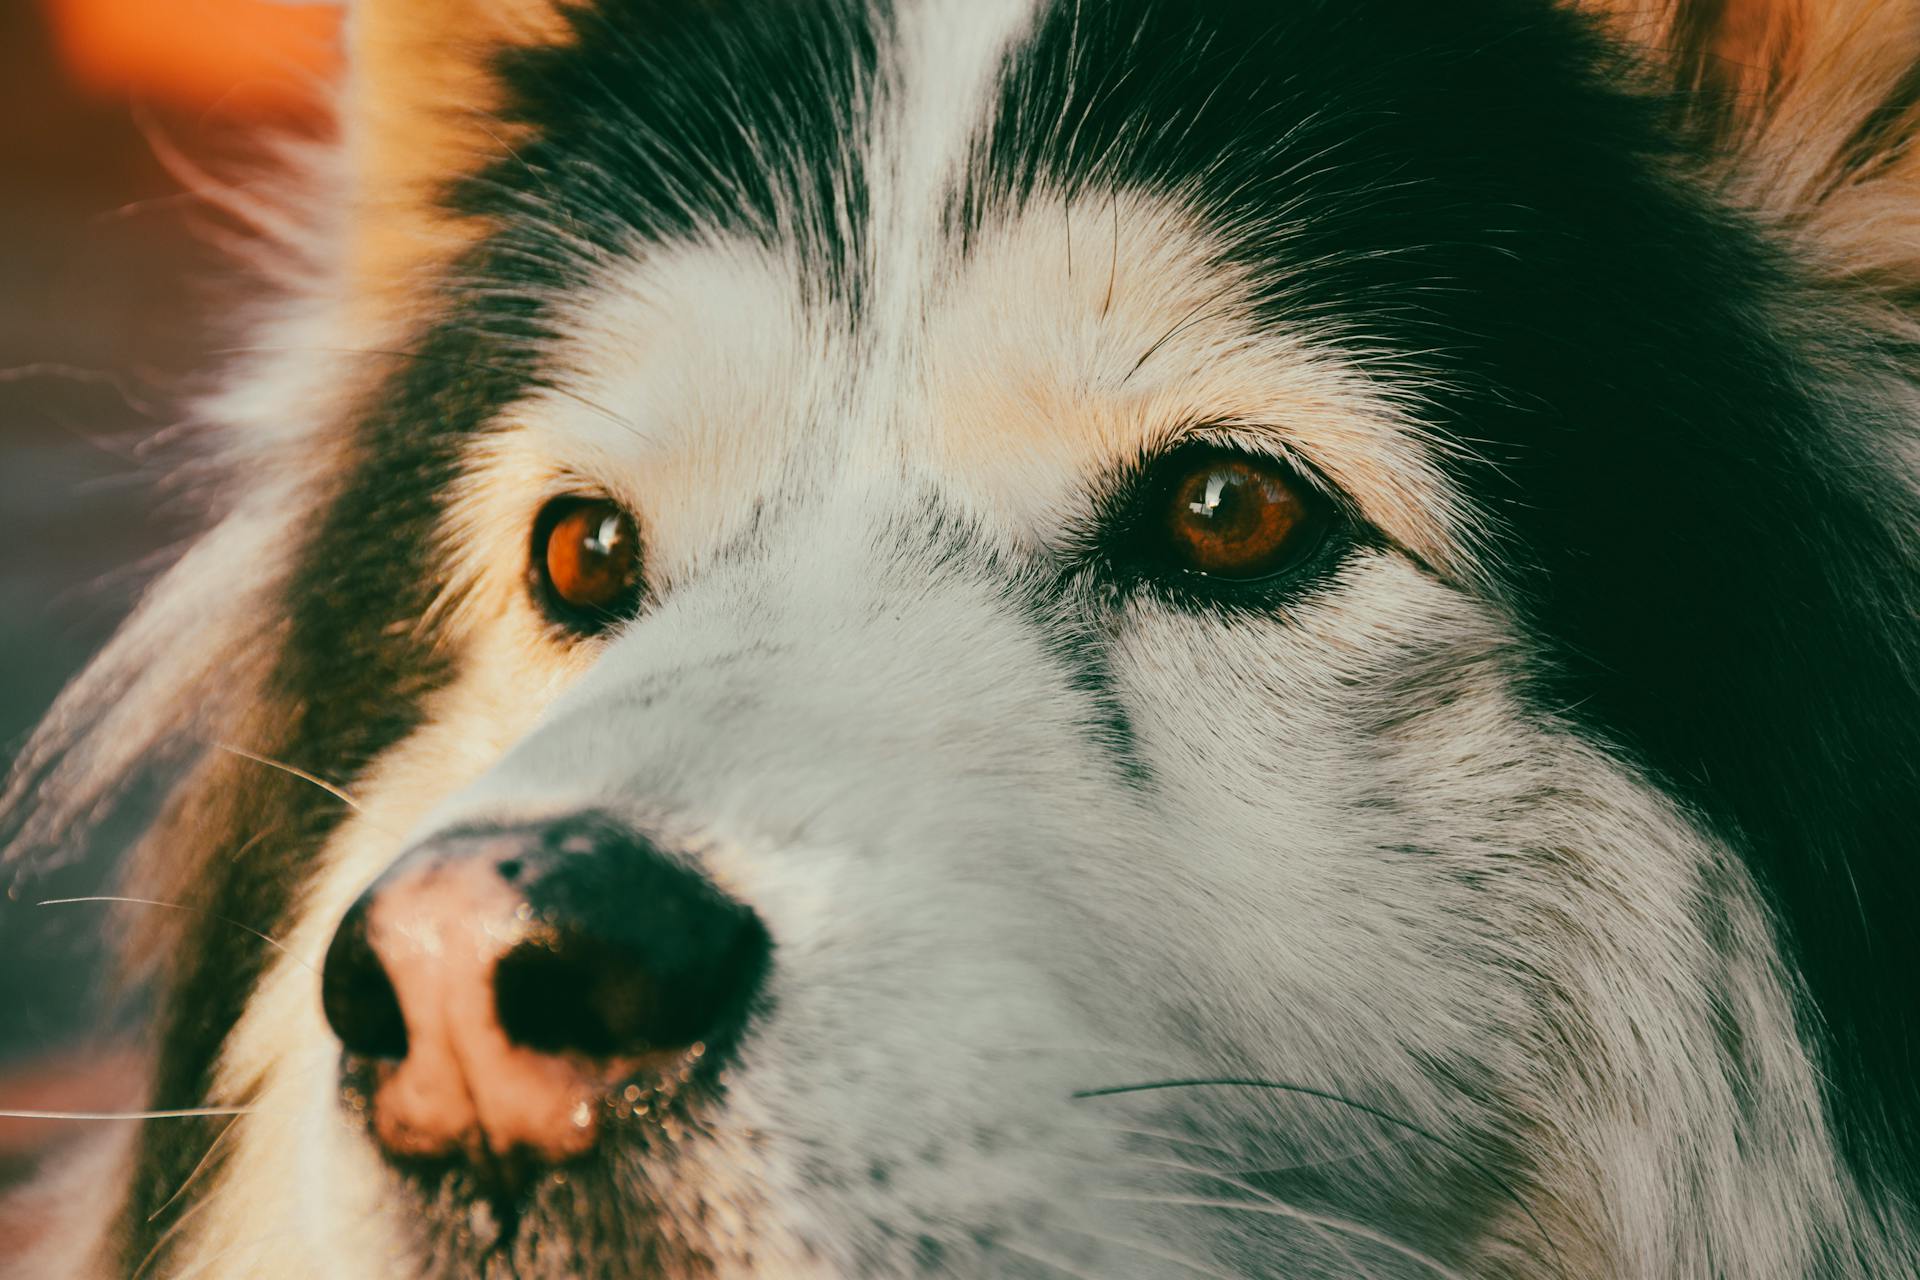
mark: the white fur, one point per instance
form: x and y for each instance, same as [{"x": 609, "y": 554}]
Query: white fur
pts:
[{"x": 1357, "y": 857}]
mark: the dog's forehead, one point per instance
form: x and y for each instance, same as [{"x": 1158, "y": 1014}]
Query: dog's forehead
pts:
[
  {"x": 1074, "y": 339},
  {"x": 903, "y": 259}
]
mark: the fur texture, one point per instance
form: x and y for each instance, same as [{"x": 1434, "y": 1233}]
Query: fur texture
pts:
[{"x": 1522, "y": 887}]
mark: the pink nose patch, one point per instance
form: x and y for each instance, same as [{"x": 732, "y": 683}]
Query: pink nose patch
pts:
[
  {"x": 439, "y": 931},
  {"x": 503, "y": 984}
]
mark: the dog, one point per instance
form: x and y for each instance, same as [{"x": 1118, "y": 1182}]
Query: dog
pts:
[{"x": 1043, "y": 638}]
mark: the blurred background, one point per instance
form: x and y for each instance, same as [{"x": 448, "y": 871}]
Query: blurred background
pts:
[{"x": 113, "y": 289}]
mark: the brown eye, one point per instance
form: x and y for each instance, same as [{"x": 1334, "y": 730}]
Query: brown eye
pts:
[
  {"x": 1237, "y": 516},
  {"x": 586, "y": 562}
]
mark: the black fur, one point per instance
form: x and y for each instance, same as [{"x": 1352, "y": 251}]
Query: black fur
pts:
[
  {"x": 665, "y": 121},
  {"x": 1718, "y": 575},
  {"x": 356, "y": 662}
]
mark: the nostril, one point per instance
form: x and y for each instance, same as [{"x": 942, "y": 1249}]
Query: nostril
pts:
[
  {"x": 573, "y": 996},
  {"x": 510, "y": 869},
  {"x": 575, "y": 992},
  {"x": 357, "y": 994}
]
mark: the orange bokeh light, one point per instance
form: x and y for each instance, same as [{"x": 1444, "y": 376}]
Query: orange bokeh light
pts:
[{"x": 243, "y": 54}]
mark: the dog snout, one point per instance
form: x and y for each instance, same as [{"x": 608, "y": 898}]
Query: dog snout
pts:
[{"x": 502, "y": 985}]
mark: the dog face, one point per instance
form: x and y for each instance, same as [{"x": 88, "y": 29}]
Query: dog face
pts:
[{"x": 1029, "y": 640}]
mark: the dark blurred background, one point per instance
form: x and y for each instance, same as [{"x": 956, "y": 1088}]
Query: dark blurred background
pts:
[{"x": 113, "y": 288}]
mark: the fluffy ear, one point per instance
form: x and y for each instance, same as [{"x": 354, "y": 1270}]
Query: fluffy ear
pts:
[
  {"x": 419, "y": 111},
  {"x": 1815, "y": 104}
]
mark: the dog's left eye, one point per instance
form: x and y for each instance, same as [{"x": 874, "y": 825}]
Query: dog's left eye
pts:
[
  {"x": 586, "y": 563},
  {"x": 1234, "y": 516}
]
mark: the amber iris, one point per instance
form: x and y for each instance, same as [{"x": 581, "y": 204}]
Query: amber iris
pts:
[
  {"x": 589, "y": 559},
  {"x": 1232, "y": 516}
]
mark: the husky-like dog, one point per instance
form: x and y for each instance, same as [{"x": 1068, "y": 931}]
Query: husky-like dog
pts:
[{"x": 1048, "y": 638}]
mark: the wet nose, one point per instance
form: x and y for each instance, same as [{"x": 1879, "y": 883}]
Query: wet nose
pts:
[{"x": 504, "y": 983}]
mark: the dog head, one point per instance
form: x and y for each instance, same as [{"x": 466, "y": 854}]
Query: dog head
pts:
[{"x": 1031, "y": 640}]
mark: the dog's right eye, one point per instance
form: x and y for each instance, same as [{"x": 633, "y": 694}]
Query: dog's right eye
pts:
[
  {"x": 1225, "y": 517},
  {"x": 586, "y": 563}
]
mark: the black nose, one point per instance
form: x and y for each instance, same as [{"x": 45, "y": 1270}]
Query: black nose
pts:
[
  {"x": 507, "y": 976},
  {"x": 631, "y": 951}
]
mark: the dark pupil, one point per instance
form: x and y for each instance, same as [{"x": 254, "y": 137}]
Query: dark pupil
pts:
[
  {"x": 604, "y": 541},
  {"x": 1225, "y": 500},
  {"x": 591, "y": 557}
]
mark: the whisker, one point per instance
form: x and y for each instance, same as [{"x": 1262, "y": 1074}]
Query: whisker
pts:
[
  {"x": 1066, "y": 211},
  {"x": 1231, "y": 1179},
  {"x": 1150, "y": 1251},
  {"x": 1386, "y": 1144},
  {"x": 198, "y": 1168},
  {"x": 1278, "y": 1209},
  {"x": 271, "y": 941},
  {"x": 213, "y": 1261},
  {"x": 1187, "y": 321},
  {"x": 294, "y": 771},
  {"x": 168, "y": 1235},
  {"x": 1113, "y": 265},
  {"x": 1264, "y": 1196},
  {"x": 1161, "y": 1135},
  {"x": 1306, "y": 1091},
  {"x": 333, "y": 789},
  {"x": 188, "y": 1113},
  {"x": 322, "y": 1060},
  {"x": 1047, "y": 1260},
  {"x": 1254, "y": 1161}
]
